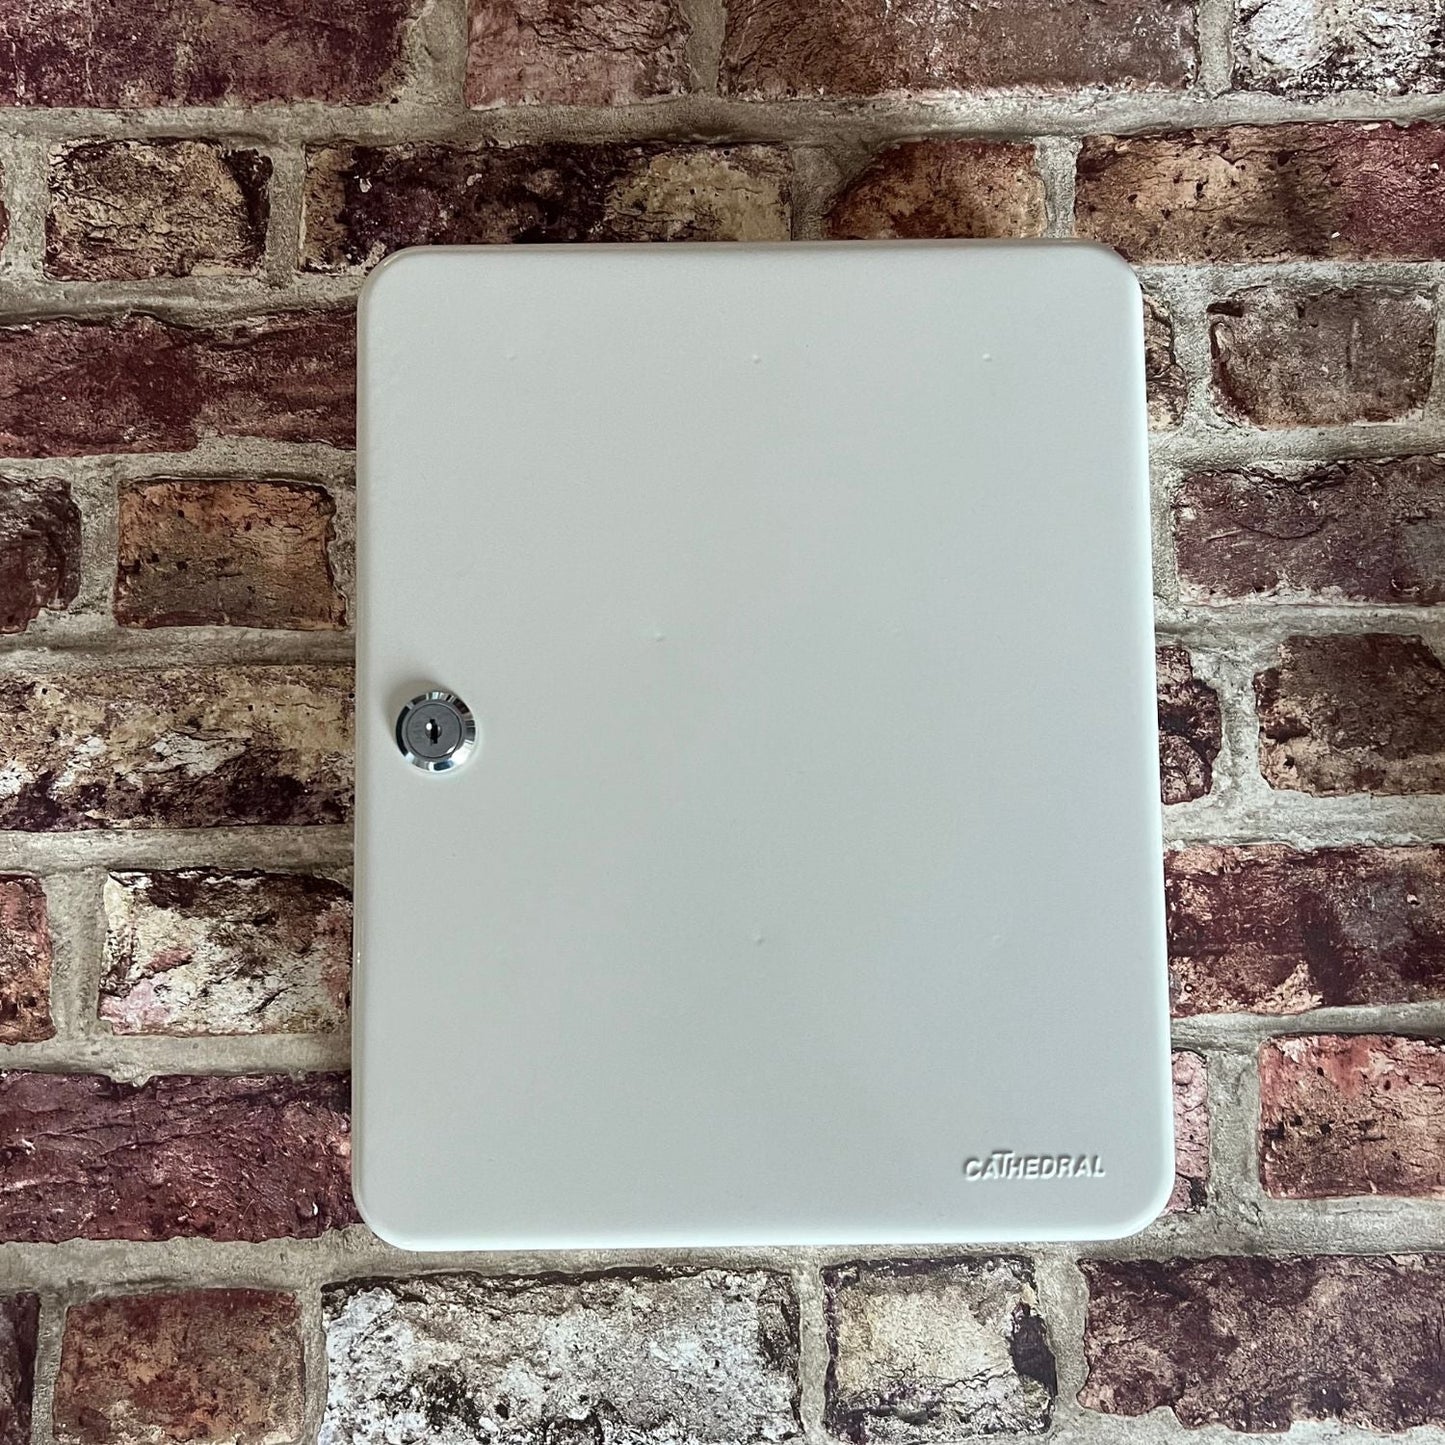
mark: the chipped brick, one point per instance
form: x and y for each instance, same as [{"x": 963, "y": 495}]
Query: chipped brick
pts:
[
  {"x": 231, "y": 553},
  {"x": 1352, "y": 1114},
  {"x": 1351, "y": 531},
  {"x": 657, "y": 1358},
  {"x": 919, "y": 1351},
  {"x": 19, "y": 1328},
  {"x": 126, "y": 210},
  {"x": 1191, "y": 730},
  {"x": 40, "y": 549},
  {"x": 25, "y": 958},
  {"x": 1163, "y": 375},
  {"x": 1257, "y": 1344},
  {"x": 1267, "y": 193},
  {"x": 560, "y": 52},
  {"x": 363, "y": 202},
  {"x": 176, "y": 747},
  {"x": 158, "y": 53},
  {"x": 1321, "y": 47},
  {"x": 1273, "y": 930},
  {"x": 220, "y": 1158},
  {"x": 205, "y": 952},
  {"x": 1353, "y": 714},
  {"x": 945, "y": 188},
  {"x": 222, "y": 1365},
  {"x": 137, "y": 384},
  {"x": 1191, "y": 1133},
  {"x": 1291, "y": 358},
  {"x": 778, "y": 48}
]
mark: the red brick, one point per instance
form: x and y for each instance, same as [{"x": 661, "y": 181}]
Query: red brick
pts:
[
  {"x": 565, "y": 52},
  {"x": 1322, "y": 358},
  {"x": 1352, "y": 531},
  {"x": 1267, "y": 193},
  {"x": 217, "y": 1365},
  {"x": 1356, "y": 1114},
  {"x": 19, "y": 1327},
  {"x": 137, "y": 384},
  {"x": 124, "y": 210},
  {"x": 1190, "y": 728},
  {"x": 1257, "y": 1344},
  {"x": 1272, "y": 930},
  {"x": 40, "y": 552},
  {"x": 25, "y": 958},
  {"x": 1353, "y": 714},
  {"x": 232, "y": 553},
  {"x": 1191, "y": 1133},
  {"x": 363, "y": 202},
  {"x": 202, "y": 52},
  {"x": 922, "y": 1351},
  {"x": 221, "y": 1158},
  {"x": 1316, "y": 47},
  {"x": 176, "y": 747},
  {"x": 204, "y": 952},
  {"x": 778, "y": 48},
  {"x": 941, "y": 188},
  {"x": 1163, "y": 375}
]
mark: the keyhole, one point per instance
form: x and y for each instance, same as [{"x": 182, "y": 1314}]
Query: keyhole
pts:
[{"x": 435, "y": 731}]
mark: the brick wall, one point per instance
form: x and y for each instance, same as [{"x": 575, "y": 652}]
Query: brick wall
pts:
[{"x": 192, "y": 192}]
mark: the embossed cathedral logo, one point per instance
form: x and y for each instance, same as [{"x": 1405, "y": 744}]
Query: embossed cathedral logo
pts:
[{"x": 1005, "y": 1164}]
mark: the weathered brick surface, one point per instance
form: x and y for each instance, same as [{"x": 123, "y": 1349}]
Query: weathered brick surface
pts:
[
  {"x": 1191, "y": 1132},
  {"x": 938, "y": 188},
  {"x": 40, "y": 549},
  {"x": 1352, "y": 1114},
  {"x": 240, "y": 553},
  {"x": 205, "y": 952},
  {"x": 19, "y": 1325},
  {"x": 363, "y": 202},
  {"x": 1267, "y": 193},
  {"x": 138, "y": 384},
  {"x": 778, "y": 48},
  {"x": 156, "y": 52},
  {"x": 222, "y": 1158},
  {"x": 1349, "y": 714},
  {"x": 1190, "y": 728},
  {"x": 220, "y": 1365},
  {"x": 130, "y": 209},
  {"x": 1352, "y": 531},
  {"x": 1274, "y": 930},
  {"x": 1321, "y": 358},
  {"x": 1256, "y": 1344},
  {"x": 659, "y": 1358},
  {"x": 608, "y": 52},
  {"x": 199, "y": 724},
  {"x": 1163, "y": 375},
  {"x": 1314, "y": 47},
  {"x": 176, "y": 747},
  {"x": 25, "y": 958},
  {"x": 920, "y": 1351}
]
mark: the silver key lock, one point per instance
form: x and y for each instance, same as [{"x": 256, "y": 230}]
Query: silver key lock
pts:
[{"x": 436, "y": 731}]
